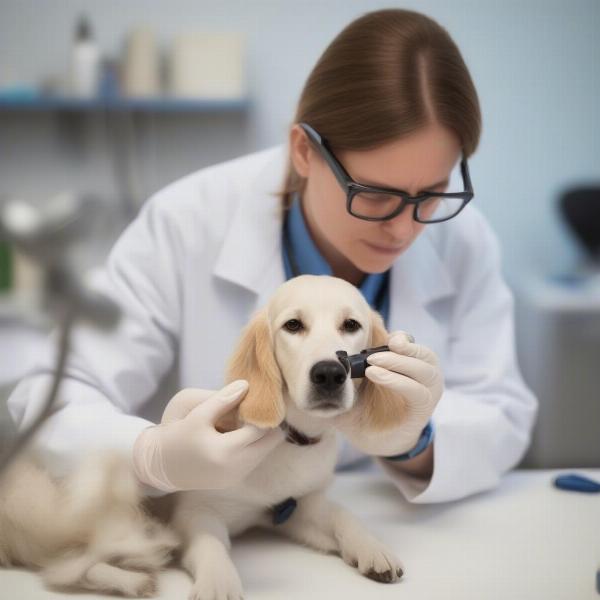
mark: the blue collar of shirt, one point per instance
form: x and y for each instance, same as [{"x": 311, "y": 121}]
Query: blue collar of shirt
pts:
[{"x": 309, "y": 260}]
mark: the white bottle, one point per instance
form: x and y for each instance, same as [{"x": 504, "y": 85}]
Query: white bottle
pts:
[{"x": 84, "y": 72}]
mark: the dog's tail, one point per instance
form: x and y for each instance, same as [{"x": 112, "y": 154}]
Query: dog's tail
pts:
[{"x": 41, "y": 516}]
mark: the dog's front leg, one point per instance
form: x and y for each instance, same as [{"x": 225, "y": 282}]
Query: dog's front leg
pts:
[
  {"x": 205, "y": 555},
  {"x": 326, "y": 526}
]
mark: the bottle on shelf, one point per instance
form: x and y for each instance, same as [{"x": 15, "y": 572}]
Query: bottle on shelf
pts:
[{"x": 85, "y": 63}]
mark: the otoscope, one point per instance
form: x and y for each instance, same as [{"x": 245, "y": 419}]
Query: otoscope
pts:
[{"x": 356, "y": 364}]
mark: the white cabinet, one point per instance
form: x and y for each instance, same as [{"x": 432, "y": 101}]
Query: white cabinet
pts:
[{"x": 558, "y": 341}]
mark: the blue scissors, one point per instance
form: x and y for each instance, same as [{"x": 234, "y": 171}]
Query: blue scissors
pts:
[{"x": 577, "y": 483}]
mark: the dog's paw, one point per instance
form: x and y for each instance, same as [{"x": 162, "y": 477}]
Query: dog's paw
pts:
[
  {"x": 221, "y": 584},
  {"x": 150, "y": 552},
  {"x": 213, "y": 592},
  {"x": 375, "y": 561},
  {"x": 137, "y": 585},
  {"x": 75, "y": 574}
]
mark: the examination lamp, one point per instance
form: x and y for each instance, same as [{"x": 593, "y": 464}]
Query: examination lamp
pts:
[{"x": 47, "y": 235}]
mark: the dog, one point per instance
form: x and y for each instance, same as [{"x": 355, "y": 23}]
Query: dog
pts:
[
  {"x": 287, "y": 353},
  {"x": 89, "y": 530}
]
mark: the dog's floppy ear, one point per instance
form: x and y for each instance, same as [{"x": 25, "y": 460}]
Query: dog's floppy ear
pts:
[
  {"x": 254, "y": 360},
  {"x": 381, "y": 409}
]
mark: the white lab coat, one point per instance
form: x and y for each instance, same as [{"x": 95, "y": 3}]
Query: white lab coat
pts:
[{"x": 205, "y": 252}]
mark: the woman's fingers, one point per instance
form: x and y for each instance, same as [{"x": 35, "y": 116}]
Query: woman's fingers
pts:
[
  {"x": 398, "y": 332},
  {"x": 183, "y": 402},
  {"x": 415, "y": 394},
  {"x": 419, "y": 370},
  {"x": 254, "y": 441},
  {"x": 400, "y": 383},
  {"x": 400, "y": 345},
  {"x": 220, "y": 402}
]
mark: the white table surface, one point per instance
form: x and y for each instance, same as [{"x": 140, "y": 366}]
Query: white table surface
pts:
[{"x": 525, "y": 540}]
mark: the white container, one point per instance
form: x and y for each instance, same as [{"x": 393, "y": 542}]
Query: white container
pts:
[
  {"x": 84, "y": 67},
  {"x": 207, "y": 65},
  {"x": 141, "y": 68}
]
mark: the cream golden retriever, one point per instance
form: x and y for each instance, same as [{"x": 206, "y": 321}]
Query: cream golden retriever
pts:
[{"x": 95, "y": 531}]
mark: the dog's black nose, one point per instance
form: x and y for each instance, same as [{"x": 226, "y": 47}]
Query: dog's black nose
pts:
[{"x": 328, "y": 375}]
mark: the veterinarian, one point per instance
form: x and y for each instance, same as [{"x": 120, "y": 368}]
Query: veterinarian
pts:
[{"x": 387, "y": 119}]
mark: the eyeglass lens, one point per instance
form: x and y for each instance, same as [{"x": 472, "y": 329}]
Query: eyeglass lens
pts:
[{"x": 378, "y": 205}]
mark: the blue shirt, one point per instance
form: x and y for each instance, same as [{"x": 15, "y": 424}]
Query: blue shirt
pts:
[{"x": 310, "y": 261}]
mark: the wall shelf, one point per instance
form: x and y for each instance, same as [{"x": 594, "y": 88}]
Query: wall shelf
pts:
[
  {"x": 127, "y": 124},
  {"x": 117, "y": 104}
]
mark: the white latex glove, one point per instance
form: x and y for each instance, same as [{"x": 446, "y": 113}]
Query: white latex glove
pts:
[
  {"x": 413, "y": 372},
  {"x": 186, "y": 452}
]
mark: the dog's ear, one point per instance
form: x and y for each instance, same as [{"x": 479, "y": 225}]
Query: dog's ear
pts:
[
  {"x": 254, "y": 360},
  {"x": 381, "y": 409},
  {"x": 379, "y": 334}
]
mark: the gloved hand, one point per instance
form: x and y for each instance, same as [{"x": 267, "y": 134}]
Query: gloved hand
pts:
[
  {"x": 412, "y": 371},
  {"x": 186, "y": 452}
]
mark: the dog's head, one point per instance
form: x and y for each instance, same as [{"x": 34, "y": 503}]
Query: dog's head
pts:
[{"x": 288, "y": 353}]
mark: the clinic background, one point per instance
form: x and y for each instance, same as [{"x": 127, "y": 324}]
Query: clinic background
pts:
[{"x": 534, "y": 64}]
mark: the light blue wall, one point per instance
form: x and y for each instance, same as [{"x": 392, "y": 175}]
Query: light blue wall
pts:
[{"x": 535, "y": 65}]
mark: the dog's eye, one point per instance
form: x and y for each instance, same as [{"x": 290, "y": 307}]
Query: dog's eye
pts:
[
  {"x": 351, "y": 325},
  {"x": 293, "y": 325}
]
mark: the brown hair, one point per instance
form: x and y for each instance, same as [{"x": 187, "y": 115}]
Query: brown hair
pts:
[{"x": 384, "y": 76}]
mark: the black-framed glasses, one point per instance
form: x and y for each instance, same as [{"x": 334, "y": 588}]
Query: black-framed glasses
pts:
[{"x": 373, "y": 203}]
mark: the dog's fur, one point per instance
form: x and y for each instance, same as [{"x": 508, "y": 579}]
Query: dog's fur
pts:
[
  {"x": 93, "y": 530},
  {"x": 88, "y": 531}
]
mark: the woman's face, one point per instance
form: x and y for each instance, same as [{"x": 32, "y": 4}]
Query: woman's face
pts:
[{"x": 353, "y": 247}]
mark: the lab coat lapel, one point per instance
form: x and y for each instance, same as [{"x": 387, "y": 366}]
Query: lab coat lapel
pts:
[
  {"x": 251, "y": 253},
  {"x": 418, "y": 279}
]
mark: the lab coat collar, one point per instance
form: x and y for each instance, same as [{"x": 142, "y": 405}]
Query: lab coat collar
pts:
[
  {"x": 251, "y": 253},
  {"x": 419, "y": 274}
]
